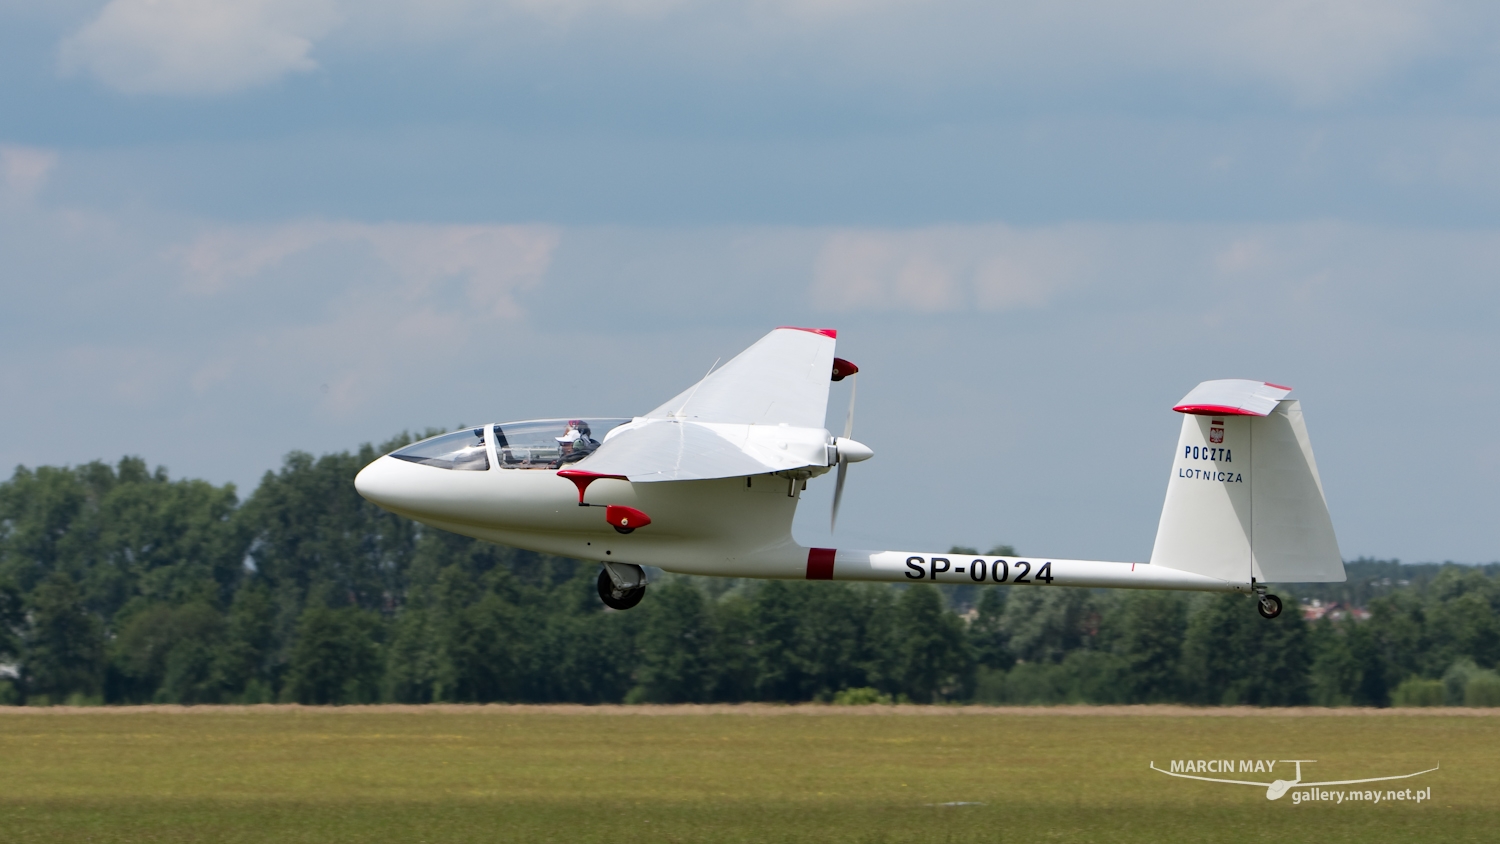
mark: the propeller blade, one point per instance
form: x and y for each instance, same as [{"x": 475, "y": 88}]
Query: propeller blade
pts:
[
  {"x": 838, "y": 487},
  {"x": 849, "y": 422},
  {"x": 838, "y": 494}
]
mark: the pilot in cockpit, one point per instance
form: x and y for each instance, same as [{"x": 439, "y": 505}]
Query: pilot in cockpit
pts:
[{"x": 575, "y": 444}]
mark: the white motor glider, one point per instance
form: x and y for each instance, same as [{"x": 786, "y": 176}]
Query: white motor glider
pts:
[{"x": 708, "y": 484}]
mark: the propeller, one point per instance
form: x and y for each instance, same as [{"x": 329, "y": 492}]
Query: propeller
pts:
[{"x": 848, "y": 450}]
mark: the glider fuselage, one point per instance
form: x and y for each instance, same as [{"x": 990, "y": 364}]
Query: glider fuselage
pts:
[{"x": 738, "y": 527}]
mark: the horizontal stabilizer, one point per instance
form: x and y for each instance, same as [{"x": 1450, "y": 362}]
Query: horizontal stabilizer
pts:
[{"x": 1233, "y": 397}]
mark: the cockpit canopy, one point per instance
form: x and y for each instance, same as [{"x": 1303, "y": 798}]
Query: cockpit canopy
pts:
[
  {"x": 463, "y": 450},
  {"x": 536, "y": 444},
  {"x": 550, "y": 443}
]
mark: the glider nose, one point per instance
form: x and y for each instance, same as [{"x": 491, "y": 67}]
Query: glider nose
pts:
[{"x": 377, "y": 482}]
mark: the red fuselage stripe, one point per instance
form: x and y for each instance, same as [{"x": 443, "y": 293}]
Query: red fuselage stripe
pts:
[{"x": 820, "y": 563}]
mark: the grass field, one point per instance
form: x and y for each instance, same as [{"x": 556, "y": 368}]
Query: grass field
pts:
[{"x": 824, "y": 774}]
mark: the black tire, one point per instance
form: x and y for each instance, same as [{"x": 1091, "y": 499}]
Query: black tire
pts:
[
  {"x": 615, "y": 599},
  {"x": 1269, "y": 606}
]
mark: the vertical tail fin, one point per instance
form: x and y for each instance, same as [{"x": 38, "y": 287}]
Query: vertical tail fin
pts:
[{"x": 1244, "y": 499}]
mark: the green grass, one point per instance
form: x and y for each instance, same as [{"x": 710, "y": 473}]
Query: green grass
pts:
[{"x": 499, "y": 774}]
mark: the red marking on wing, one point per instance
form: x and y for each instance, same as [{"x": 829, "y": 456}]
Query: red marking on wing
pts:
[
  {"x": 582, "y": 479},
  {"x": 831, "y": 333},
  {"x": 1277, "y": 386},
  {"x": 1212, "y": 410},
  {"x": 820, "y": 563}
]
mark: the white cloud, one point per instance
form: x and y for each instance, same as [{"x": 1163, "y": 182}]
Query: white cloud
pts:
[
  {"x": 948, "y": 268},
  {"x": 1313, "y": 51},
  {"x": 198, "y": 47},
  {"x": 24, "y": 171},
  {"x": 1316, "y": 50},
  {"x": 494, "y": 262},
  {"x": 387, "y": 300}
]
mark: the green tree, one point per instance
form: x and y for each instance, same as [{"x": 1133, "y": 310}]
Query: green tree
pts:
[
  {"x": 411, "y": 658},
  {"x": 164, "y": 541},
  {"x": 38, "y": 509},
  {"x": 313, "y": 538},
  {"x": 1462, "y": 620},
  {"x": 1233, "y": 656},
  {"x": 810, "y": 640},
  {"x": 166, "y": 654},
  {"x": 676, "y": 646},
  {"x": 121, "y": 534},
  {"x": 1396, "y": 644},
  {"x": 987, "y": 632},
  {"x": 64, "y": 645},
  {"x": 336, "y": 658},
  {"x": 245, "y": 664},
  {"x": 1149, "y": 628},
  {"x": 935, "y": 662},
  {"x": 734, "y": 651},
  {"x": 1044, "y": 625},
  {"x": 481, "y": 653},
  {"x": 1347, "y": 667},
  {"x": 780, "y": 670},
  {"x": 848, "y": 637},
  {"x": 12, "y": 626},
  {"x": 12, "y": 621},
  {"x": 582, "y": 656}
]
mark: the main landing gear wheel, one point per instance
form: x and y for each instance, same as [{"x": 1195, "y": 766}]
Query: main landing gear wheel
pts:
[
  {"x": 1269, "y": 606},
  {"x": 616, "y": 598}
]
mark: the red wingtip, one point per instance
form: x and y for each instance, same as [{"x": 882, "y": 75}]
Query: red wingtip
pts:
[
  {"x": 830, "y": 333},
  {"x": 1212, "y": 410},
  {"x": 1277, "y": 386}
]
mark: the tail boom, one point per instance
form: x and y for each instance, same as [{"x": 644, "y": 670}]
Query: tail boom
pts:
[{"x": 921, "y": 567}]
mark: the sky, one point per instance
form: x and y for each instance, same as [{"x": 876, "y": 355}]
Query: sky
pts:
[{"x": 230, "y": 229}]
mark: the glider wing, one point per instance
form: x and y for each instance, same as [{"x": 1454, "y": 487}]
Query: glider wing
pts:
[
  {"x": 761, "y": 412},
  {"x": 782, "y": 379}
]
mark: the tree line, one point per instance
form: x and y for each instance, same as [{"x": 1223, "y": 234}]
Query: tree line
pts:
[{"x": 121, "y": 585}]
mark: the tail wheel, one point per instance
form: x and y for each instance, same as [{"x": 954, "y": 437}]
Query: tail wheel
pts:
[
  {"x": 1269, "y": 606},
  {"x": 616, "y": 599}
]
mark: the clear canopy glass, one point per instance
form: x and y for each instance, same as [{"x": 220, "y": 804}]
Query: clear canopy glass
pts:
[
  {"x": 462, "y": 450},
  {"x": 550, "y": 443}
]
